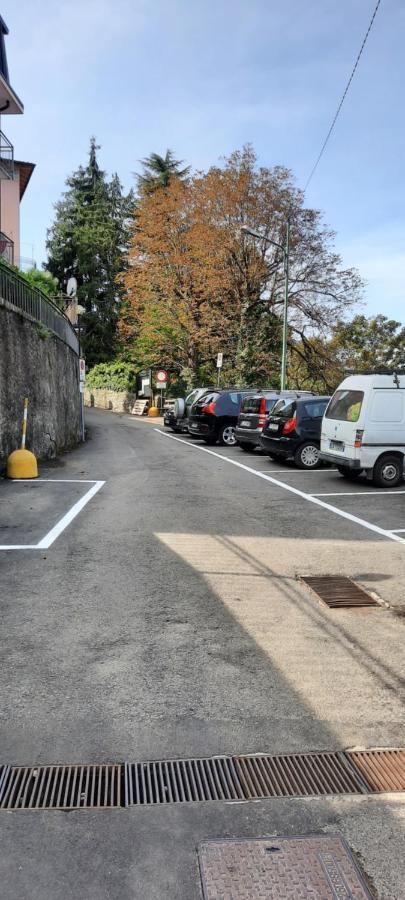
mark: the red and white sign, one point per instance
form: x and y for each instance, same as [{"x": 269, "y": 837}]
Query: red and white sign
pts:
[
  {"x": 161, "y": 376},
  {"x": 82, "y": 369}
]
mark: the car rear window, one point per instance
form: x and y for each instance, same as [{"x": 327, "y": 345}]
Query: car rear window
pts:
[
  {"x": 253, "y": 404},
  {"x": 208, "y": 398},
  {"x": 284, "y": 408},
  {"x": 345, "y": 406},
  {"x": 313, "y": 410}
]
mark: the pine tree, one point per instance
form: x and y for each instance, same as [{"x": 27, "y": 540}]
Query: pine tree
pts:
[
  {"x": 159, "y": 171},
  {"x": 88, "y": 240}
]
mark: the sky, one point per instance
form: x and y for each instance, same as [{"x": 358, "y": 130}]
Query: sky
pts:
[{"x": 205, "y": 77}]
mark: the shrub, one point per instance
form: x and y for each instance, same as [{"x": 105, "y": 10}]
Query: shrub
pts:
[{"x": 115, "y": 376}]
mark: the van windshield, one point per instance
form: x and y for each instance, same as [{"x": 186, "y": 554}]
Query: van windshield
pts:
[{"x": 345, "y": 406}]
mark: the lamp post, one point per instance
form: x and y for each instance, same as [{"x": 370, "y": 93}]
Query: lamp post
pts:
[{"x": 286, "y": 255}]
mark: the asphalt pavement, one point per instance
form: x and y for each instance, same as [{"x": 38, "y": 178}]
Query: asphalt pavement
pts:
[{"x": 165, "y": 618}]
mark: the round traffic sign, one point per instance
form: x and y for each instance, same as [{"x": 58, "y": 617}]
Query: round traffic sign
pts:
[{"x": 161, "y": 375}]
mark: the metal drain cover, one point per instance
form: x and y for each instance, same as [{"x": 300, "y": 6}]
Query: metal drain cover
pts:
[
  {"x": 337, "y": 591},
  {"x": 320, "y": 866}
]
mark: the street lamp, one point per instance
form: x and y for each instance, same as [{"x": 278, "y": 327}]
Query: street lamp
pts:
[{"x": 285, "y": 251}]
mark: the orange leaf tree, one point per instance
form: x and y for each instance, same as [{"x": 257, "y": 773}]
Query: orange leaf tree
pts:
[{"x": 196, "y": 285}]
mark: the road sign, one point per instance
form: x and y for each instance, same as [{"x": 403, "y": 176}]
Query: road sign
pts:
[
  {"x": 71, "y": 288},
  {"x": 161, "y": 376},
  {"x": 82, "y": 369},
  {"x": 162, "y": 385},
  {"x": 220, "y": 357}
]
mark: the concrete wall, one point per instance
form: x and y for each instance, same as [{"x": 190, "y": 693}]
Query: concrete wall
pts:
[
  {"x": 118, "y": 401},
  {"x": 36, "y": 364}
]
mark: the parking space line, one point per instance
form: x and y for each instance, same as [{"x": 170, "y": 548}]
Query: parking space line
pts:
[
  {"x": 293, "y": 490},
  {"x": 380, "y": 493},
  {"x": 54, "y": 480},
  {"x": 397, "y": 530},
  {"x": 63, "y": 523}
]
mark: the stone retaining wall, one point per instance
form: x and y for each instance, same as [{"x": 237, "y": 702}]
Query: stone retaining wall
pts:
[{"x": 117, "y": 401}]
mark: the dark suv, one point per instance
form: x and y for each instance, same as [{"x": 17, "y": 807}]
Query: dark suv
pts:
[
  {"x": 293, "y": 430},
  {"x": 214, "y": 416},
  {"x": 177, "y": 417},
  {"x": 254, "y": 412}
]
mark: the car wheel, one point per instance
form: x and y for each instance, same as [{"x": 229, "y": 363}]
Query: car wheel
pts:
[
  {"x": 388, "y": 471},
  {"x": 307, "y": 456},
  {"x": 350, "y": 474},
  {"x": 226, "y": 436},
  {"x": 248, "y": 448}
]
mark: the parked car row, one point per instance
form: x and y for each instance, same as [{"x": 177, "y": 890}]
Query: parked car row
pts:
[{"x": 360, "y": 429}]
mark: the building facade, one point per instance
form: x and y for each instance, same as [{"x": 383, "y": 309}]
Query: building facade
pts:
[{"x": 14, "y": 174}]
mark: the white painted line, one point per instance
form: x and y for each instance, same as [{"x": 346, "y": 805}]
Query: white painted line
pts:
[
  {"x": 55, "y": 480},
  {"x": 63, "y": 523},
  {"x": 397, "y": 530},
  {"x": 381, "y": 493},
  {"x": 68, "y": 517},
  {"x": 293, "y": 490},
  {"x": 296, "y": 472},
  {"x": 18, "y": 546}
]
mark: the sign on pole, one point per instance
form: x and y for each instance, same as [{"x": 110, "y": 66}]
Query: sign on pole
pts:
[
  {"x": 82, "y": 369},
  {"x": 220, "y": 357},
  {"x": 161, "y": 376}
]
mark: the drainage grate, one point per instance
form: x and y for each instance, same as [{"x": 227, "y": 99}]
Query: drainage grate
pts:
[
  {"x": 181, "y": 781},
  {"x": 382, "y": 770},
  {"x": 62, "y": 787},
  {"x": 298, "y": 775},
  {"x": 338, "y": 591},
  {"x": 4, "y": 774}
]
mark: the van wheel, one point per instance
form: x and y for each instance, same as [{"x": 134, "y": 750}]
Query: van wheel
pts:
[
  {"x": 351, "y": 474},
  {"x": 248, "y": 448},
  {"x": 307, "y": 456},
  {"x": 388, "y": 471},
  {"x": 226, "y": 436}
]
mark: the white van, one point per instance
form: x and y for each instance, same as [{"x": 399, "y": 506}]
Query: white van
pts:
[{"x": 363, "y": 428}]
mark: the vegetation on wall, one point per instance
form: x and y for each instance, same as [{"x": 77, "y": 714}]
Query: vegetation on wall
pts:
[{"x": 114, "y": 376}]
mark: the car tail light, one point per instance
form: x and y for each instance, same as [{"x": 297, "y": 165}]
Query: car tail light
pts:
[
  {"x": 359, "y": 437},
  {"x": 210, "y": 408},
  {"x": 262, "y": 412},
  {"x": 289, "y": 425}
]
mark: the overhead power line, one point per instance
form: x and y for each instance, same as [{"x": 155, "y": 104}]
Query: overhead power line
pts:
[{"x": 344, "y": 96}]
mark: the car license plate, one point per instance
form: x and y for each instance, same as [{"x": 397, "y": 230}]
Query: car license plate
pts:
[
  {"x": 273, "y": 426},
  {"x": 245, "y": 424},
  {"x": 337, "y": 445}
]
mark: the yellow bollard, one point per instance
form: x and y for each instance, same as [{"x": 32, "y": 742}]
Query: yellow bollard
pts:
[
  {"x": 22, "y": 463},
  {"x": 153, "y": 411}
]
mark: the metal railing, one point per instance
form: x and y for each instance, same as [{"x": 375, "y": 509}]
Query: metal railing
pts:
[
  {"x": 6, "y": 157},
  {"x": 22, "y": 296},
  {"x": 6, "y": 248}
]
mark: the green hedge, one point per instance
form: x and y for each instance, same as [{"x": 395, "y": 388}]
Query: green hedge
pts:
[{"x": 116, "y": 376}]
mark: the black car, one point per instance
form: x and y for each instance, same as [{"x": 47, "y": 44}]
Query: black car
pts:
[
  {"x": 293, "y": 430},
  {"x": 214, "y": 416},
  {"x": 177, "y": 417},
  {"x": 254, "y": 412}
]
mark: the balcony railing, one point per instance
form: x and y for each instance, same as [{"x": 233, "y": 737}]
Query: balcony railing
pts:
[
  {"x": 6, "y": 248},
  {"x": 6, "y": 157},
  {"x": 22, "y": 296}
]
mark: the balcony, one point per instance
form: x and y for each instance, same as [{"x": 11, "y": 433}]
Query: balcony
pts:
[
  {"x": 6, "y": 248},
  {"x": 6, "y": 157}
]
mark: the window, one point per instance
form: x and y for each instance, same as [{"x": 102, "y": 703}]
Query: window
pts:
[
  {"x": 345, "y": 406},
  {"x": 313, "y": 410},
  {"x": 284, "y": 408}
]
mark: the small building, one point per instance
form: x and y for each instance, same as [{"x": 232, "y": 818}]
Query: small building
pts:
[{"x": 14, "y": 174}]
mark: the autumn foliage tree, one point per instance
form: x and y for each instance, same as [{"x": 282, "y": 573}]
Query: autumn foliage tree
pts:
[{"x": 195, "y": 284}]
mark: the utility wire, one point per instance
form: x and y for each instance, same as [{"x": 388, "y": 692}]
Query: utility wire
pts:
[{"x": 344, "y": 96}]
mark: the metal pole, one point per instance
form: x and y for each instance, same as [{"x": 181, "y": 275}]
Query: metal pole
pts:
[
  {"x": 285, "y": 310},
  {"x": 81, "y": 387},
  {"x": 24, "y": 424}
]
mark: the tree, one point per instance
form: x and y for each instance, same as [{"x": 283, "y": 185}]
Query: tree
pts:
[
  {"x": 158, "y": 171},
  {"x": 88, "y": 240},
  {"x": 360, "y": 344},
  {"x": 196, "y": 284}
]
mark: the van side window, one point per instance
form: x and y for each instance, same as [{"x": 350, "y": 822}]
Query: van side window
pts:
[
  {"x": 345, "y": 406},
  {"x": 387, "y": 407}
]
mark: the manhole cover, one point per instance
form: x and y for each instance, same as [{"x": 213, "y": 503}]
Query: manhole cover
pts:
[{"x": 320, "y": 867}]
